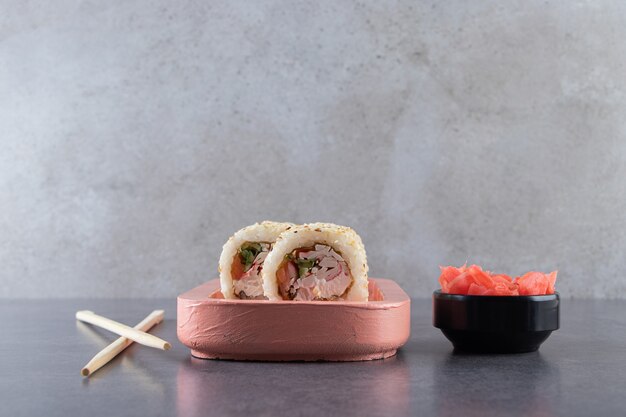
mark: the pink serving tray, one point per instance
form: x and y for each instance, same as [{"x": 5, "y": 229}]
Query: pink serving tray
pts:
[{"x": 215, "y": 328}]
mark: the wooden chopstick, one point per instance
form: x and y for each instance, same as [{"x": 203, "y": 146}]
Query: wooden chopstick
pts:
[
  {"x": 128, "y": 332},
  {"x": 108, "y": 353}
]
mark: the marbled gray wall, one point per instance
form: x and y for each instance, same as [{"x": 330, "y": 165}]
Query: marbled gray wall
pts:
[{"x": 138, "y": 135}]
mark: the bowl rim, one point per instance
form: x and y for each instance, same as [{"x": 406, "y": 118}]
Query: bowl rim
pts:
[{"x": 439, "y": 294}]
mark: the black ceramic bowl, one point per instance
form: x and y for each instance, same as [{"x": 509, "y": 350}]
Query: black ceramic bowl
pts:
[{"x": 496, "y": 324}]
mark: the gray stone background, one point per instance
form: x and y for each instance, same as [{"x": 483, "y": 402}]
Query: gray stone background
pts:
[{"x": 138, "y": 135}]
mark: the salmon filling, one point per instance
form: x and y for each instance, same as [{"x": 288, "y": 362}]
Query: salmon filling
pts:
[
  {"x": 313, "y": 273},
  {"x": 246, "y": 270}
]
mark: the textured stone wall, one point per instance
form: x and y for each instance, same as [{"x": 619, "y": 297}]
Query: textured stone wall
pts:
[{"x": 137, "y": 136}]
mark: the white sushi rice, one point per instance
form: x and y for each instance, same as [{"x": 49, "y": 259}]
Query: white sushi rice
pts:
[
  {"x": 266, "y": 231},
  {"x": 342, "y": 239}
]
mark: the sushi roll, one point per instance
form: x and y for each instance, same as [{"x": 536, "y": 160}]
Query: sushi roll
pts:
[
  {"x": 242, "y": 259},
  {"x": 317, "y": 261}
]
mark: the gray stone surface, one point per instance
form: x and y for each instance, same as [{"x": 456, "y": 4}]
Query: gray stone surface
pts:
[
  {"x": 137, "y": 136},
  {"x": 579, "y": 371}
]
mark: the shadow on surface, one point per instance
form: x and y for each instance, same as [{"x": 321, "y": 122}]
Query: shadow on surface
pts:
[
  {"x": 382, "y": 387},
  {"x": 514, "y": 383}
]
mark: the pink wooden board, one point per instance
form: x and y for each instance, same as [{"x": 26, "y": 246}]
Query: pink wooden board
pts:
[{"x": 215, "y": 328}]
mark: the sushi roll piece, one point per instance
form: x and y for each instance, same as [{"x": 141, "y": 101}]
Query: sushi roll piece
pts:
[
  {"x": 317, "y": 261},
  {"x": 242, "y": 259}
]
